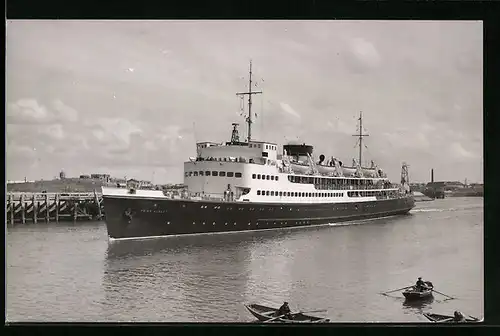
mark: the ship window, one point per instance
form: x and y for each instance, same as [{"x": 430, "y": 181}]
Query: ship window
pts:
[
  {"x": 254, "y": 176},
  {"x": 258, "y": 176},
  {"x": 276, "y": 193},
  {"x": 207, "y": 173},
  {"x": 222, "y": 173},
  {"x": 272, "y": 193},
  {"x": 296, "y": 194},
  {"x": 276, "y": 178},
  {"x": 195, "y": 173},
  {"x": 258, "y": 192},
  {"x": 215, "y": 173},
  {"x": 281, "y": 193},
  {"x": 230, "y": 174},
  {"x": 190, "y": 173},
  {"x": 267, "y": 177},
  {"x": 201, "y": 172},
  {"x": 237, "y": 175},
  {"x": 288, "y": 193},
  {"x": 186, "y": 174},
  {"x": 267, "y": 192}
]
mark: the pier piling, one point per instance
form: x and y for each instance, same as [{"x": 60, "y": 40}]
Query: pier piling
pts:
[
  {"x": 52, "y": 206},
  {"x": 47, "y": 208},
  {"x": 35, "y": 208},
  {"x": 23, "y": 214},
  {"x": 12, "y": 209}
]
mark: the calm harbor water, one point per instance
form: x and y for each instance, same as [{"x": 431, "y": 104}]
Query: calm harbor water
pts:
[{"x": 71, "y": 273}]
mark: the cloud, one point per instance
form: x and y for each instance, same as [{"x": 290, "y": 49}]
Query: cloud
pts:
[
  {"x": 30, "y": 111},
  {"x": 403, "y": 75},
  {"x": 54, "y": 131},
  {"x": 113, "y": 131},
  {"x": 288, "y": 109},
  {"x": 65, "y": 112},
  {"x": 459, "y": 152},
  {"x": 26, "y": 111},
  {"x": 363, "y": 54}
]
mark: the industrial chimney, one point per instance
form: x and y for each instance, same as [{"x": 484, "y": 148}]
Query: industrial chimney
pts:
[{"x": 432, "y": 175}]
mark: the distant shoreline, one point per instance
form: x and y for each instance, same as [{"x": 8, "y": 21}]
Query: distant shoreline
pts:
[{"x": 57, "y": 186}]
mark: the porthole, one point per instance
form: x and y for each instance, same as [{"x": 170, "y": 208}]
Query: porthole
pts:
[
  {"x": 213, "y": 223},
  {"x": 194, "y": 223},
  {"x": 234, "y": 223},
  {"x": 168, "y": 223}
]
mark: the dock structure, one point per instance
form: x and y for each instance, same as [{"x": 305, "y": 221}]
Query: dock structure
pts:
[{"x": 46, "y": 207}]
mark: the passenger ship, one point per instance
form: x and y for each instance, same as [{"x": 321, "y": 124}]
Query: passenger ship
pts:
[{"x": 248, "y": 185}]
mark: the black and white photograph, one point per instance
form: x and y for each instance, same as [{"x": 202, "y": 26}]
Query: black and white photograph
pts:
[{"x": 244, "y": 171}]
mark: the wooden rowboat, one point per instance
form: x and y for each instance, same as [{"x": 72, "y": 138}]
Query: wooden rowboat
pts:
[
  {"x": 437, "y": 318},
  {"x": 264, "y": 313},
  {"x": 413, "y": 294}
]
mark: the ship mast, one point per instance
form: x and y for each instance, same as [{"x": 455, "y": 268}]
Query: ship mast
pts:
[
  {"x": 360, "y": 136},
  {"x": 249, "y": 93}
]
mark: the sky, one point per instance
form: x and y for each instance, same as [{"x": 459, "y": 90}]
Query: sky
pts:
[{"x": 131, "y": 98}]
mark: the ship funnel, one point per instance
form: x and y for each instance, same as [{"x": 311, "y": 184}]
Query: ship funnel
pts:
[{"x": 432, "y": 175}]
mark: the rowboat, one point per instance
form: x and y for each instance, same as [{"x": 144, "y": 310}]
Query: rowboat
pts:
[
  {"x": 264, "y": 313},
  {"x": 438, "y": 318},
  {"x": 413, "y": 294}
]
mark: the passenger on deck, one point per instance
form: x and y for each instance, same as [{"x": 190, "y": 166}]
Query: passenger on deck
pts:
[
  {"x": 458, "y": 317},
  {"x": 284, "y": 310}
]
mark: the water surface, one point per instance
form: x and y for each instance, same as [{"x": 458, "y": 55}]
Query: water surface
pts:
[{"x": 70, "y": 272}]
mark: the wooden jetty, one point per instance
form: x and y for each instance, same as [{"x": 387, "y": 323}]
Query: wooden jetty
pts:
[{"x": 25, "y": 208}]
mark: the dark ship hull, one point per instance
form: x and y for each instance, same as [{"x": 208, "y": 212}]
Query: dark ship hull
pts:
[{"x": 134, "y": 217}]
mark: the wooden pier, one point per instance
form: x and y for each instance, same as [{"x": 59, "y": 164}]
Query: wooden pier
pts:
[{"x": 46, "y": 207}]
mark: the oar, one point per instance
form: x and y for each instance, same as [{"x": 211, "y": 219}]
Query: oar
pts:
[
  {"x": 392, "y": 291},
  {"x": 300, "y": 312},
  {"x": 443, "y": 294},
  {"x": 274, "y": 318},
  {"x": 310, "y": 311}
]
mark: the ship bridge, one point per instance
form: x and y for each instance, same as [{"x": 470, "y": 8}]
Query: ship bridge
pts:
[{"x": 253, "y": 150}]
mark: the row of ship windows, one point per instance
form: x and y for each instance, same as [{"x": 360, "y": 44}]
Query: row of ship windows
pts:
[
  {"x": 265, "y": 177},
  {"x": 296, "y": 194},
  {"x": 212, "y": 173},
  {"x": 258, "y": 146},
  {"x": 366, "y": 193},
  {"x": 329, "y": 181}
]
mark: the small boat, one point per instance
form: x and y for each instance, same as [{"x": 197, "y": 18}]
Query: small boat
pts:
[
  {"x": 437, "y": 318},
  {"x": 264, "y": 313},
  {"x": 413, "y": 294}
]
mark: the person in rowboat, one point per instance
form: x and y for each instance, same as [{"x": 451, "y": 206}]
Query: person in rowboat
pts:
[
  {"x": 420, "y": 285},
  {"x": 284, "y": 310},
  {"x": 458, "y": 317}
]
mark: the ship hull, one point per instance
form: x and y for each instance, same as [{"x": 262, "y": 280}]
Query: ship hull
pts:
[{"x": 131, "y": 217}]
